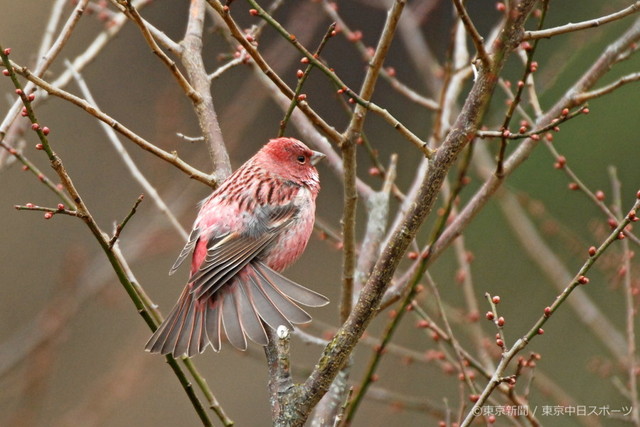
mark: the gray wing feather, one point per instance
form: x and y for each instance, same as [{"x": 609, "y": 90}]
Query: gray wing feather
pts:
[
  {"x": 290, "y": 310},
  {"x": 251, "y": 323},
  {"x": 213, "y": 324},
  {"x": 193, "y": 238},
  {"x": 231, "y": 322},
  {"x": 264, "y": 307},
  {"x": 290, "y": 288},
  {"x": 229, "y": 254},
  {"x": 248, "y": 299},
  {"x": 209, "y": 279}
]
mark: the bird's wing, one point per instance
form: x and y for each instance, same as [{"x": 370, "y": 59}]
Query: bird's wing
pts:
[
  {"x": 193, "y": 238},
  {"x": 228, "y": 253}
]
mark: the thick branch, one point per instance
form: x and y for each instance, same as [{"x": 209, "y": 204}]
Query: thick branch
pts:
[
  {"x": 207, "y": 117},
  {"x": 463, "y": 130}
]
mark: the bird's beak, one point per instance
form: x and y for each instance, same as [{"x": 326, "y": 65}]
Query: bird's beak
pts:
[{"x": 316, "y": 157}]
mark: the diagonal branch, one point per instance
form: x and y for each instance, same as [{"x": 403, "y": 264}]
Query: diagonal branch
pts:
[
  {"x": 596, "y": 93},
  {"x": 338, "y": 350},
  {"x": 114, "y": 256},
  {"x": 141, "y": 142},
  {"x": 382, "y": 112},
  {"x": 590, "y": 77},
  {"x": 47, "y": 59},
  {"x": 578, "y": 280},
  {"x": 237, "y": 34},
  {"x": 132, "y": 13},
  {"x": 477, "y": 39},
  {"x": 128, "y": 161}
]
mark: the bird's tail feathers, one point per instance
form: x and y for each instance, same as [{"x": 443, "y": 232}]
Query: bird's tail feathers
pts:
[{"x": 255, "y": 296}]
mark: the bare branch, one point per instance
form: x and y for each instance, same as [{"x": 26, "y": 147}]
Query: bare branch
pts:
[
  {"x": 491, "y": 185},
  {"x": 596, "y": 93},
  {"x": 46, "y": 60},
  {"x": 568, "y": 28},
  {"x": 114, "y": 256},
  {"x": 205, "y": 111},
  {"x": 336, "y": 353},
  {"x": 128, "y": 161},
  {"x": 579, "y": 279},
  {"x": 171, "y": 158},
  {"x": 387, "y": 74},
  {"x": 120, "y": 227},
  {"x": 477, "y": 39},
  {"x": 396, "y": 124},
  {"x": 129, "y": 9}
]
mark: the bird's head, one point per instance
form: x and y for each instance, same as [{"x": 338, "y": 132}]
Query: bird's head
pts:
[{"x": 291, "y": 160}]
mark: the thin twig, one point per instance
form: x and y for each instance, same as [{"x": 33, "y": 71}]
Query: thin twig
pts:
[
  {"x": 61, "y": 210},
  {"x": 552, "y": 125},
  {"x": 156, "y": 34},
  {"x": 585, "y": 308},
  {"x": 132, "y": 13},
  {"x": 237, "y": 34},
  {"x": 410, "y": 292},
  {"x": 52, "y": 25},
  {"x": 348, "y": 147},
  {"x": 476, "y": 38},
  {"x": 303, "y": 118},
  {"x": 632, "y": 359},
  {"x": 387, "y": 74},
  {"x": 459, "y": 352},
  {"x": 450, "y": 90},
  {"x": 46, "y": 60},
  {"x": 596, "y": 93},
  {"x": 301, "y": 79},
  {"x": 515, "y": 102},
  {"x": 590, "y": 77},
  {"x": 226, "y": 67},
  {"x": 578, "y": 26},
  {"x": 120, "y": 227},
  {"x": 31, "y": 167},
  {"x": 465, "y": 126},
  {"x": 365, "y": 102},
  {"x": 580, "y": 185}
]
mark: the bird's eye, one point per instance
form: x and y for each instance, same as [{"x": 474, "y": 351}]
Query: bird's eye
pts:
[{"x": 301, "y": 159}]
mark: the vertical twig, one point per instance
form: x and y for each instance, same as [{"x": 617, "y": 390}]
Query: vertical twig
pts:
[
  {"x": 348, "y": 147},
  {"x": 515, "y": 102},
  {"x": 302, "y": 78},
  {"x": 630, "y": 308},
  {"x": 204, "y": 108}
]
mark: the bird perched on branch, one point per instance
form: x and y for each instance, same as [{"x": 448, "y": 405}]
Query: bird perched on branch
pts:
[{"x": 248, "y": 230}]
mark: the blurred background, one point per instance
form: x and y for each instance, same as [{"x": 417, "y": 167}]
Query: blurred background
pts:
[{"x": 71, "y": 342}]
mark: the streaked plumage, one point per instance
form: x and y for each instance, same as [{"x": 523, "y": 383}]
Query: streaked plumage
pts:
[{"x": 252, "y": 227}]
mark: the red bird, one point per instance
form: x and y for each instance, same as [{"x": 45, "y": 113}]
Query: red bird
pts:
[{"x": 253, "y": 226}]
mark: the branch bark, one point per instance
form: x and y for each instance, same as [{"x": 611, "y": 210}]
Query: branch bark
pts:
[{"x": 338, "y": 350}]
